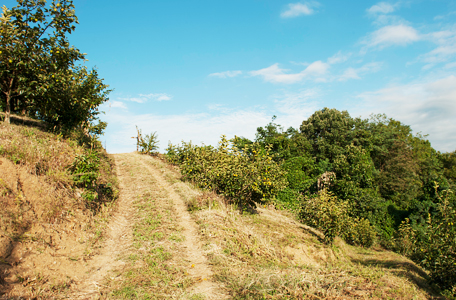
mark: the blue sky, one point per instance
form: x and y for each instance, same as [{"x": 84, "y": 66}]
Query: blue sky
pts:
[{"x": 194, "y": 70}]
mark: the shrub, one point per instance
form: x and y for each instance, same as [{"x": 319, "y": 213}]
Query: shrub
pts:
[
  {"x": 147, "y": 144},
  {"x": 359, "y": 231},
  {"x": 289, "y": 199},
  {"x": 85, "y": 169},
  {"x": 433, "y": 246},
  {"x": 329, "y": 214},
  {"x": 245, "y": 175}
]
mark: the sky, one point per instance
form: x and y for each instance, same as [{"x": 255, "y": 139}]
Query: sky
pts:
[{"x": 194, "y": 70}]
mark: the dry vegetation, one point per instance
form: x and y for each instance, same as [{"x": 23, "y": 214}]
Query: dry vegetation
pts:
[
  {"x": 267, "y": 254},
  {"x": 49, "y": 234},
  {"x": 47, "y": 230}
]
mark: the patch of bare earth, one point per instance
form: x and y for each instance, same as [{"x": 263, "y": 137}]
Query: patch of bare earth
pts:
[{"x": 46, "y": 235}]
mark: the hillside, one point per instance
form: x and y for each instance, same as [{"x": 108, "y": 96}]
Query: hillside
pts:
[
  {"x": 48, "y": 228},
  {"x": 167, "y": 239},
  {"x": 265, "y": 254}
]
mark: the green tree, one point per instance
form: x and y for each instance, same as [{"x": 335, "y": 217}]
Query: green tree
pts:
[
  {"x": 34, "y": 50},
  {"x": 449, "y": 166},
  {"x": 329, "y": 131},
  {"x": 40, "y": 73}
]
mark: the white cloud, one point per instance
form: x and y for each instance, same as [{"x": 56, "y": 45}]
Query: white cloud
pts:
[
  {"x": 226, "y": 74},
  {"x": 297, "y": 9},
  {"x": 291, "y": 109},
  {"x": 117, "y": 104},
  {"x": 142, "y": 98},
  {"x": 157, "y": 97},
  {"x": 446, "y": 46},
  {"x": 382, "y": 8},
  {"x": 275, "y": 74},
  {"x": 352, "y": 73},
  {"x": 450, "y": 65},
  {"x": 199, "y": 128},
  {"x": 349, "y": 73},
  {"x": 390, "y": 35},
  {"x": 429, "y": 108},
  {"x": 338, "y": 58},
  {"x": 442, "y": 17}
]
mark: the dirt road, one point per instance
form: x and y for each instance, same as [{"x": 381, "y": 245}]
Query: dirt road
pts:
[{"x": 148, "y": 196}]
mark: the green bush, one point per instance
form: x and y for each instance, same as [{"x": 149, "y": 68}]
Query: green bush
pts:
[
  {"x": 301, "y": 171},
  {"x": 329, "y": 214},
  {"x": 433, "y": 245},
  {"x": 246, "y": 175},
  {"x": 359, "y": 231},
  {"x": 85, "y": 169},
  {"x": 289, "y": 199},
  {"x": 147, "y": 144}
]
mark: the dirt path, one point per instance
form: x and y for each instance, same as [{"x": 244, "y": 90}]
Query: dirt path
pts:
[
  {"x": 192, "y": 243},
  {"x": 138, "y": 175},
  {"x": 118, "y": 235}
]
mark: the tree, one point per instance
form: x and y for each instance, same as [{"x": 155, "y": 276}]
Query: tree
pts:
[
  {"x": 329, "y": 131},
  {"x": 39, "y": 74}
]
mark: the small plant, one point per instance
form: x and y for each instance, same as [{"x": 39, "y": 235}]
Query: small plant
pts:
[
  {"x": 147, "y": 144},
  {"x": 85, "y": 169}
]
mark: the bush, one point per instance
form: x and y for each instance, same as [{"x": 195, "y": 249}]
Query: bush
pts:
[
  {"x": 433, "y": 246},
  {"x": 246, "y": 175},
  {"x": 85, "y": 169},
  {"x": 147, "y": 144},
  {"x": 329, "y": 214},
  {"x": 359, "y": 231},
  {"x": 86, "y": 175},
  {"x": 289, "y": 199}
]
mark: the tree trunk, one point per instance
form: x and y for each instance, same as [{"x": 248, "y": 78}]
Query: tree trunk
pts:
[
  {"x": 8, "y": 101},
  {"x": 8, "y": 108}
]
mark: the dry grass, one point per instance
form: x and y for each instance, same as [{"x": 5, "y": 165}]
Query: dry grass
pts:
[
  {"x": 267, "y": 254},
  {"x": 155, "y": 268},
  {"x": 44, "y": 218}
]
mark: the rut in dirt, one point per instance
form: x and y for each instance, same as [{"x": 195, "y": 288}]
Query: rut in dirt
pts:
[
  {"x": 150, "y": 174},
  {"x": 192, "y": 243}
]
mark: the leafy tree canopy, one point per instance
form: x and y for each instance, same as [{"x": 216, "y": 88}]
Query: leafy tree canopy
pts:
[{"x": 40, "y": 73}]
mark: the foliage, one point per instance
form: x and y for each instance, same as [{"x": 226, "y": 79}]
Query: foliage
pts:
[
  {"x": 326, "y": 212},
  {"x": 85, "y": 169},
  {"x": 433, "y": 245},
  {"x": 147, "y": 144},
  {"x": 449, "y": 166},
  {"x": 302, "y": 172},
  {"x": 329, "y": 131},
  {"x": 39, "y": 72},
  {"x": 246, "y": 175}
]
